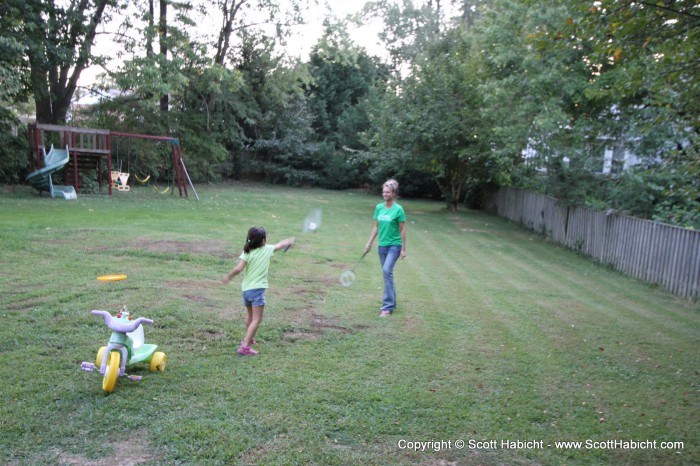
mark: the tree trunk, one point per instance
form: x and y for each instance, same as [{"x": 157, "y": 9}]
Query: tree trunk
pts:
[
  {"x": 455, "y": 194},
  {"x": 163, "y": 29},
  {"x": 222, "y": 45},
  {"x": 230, "y": 11},
  {"x": 151, "y": 24}
]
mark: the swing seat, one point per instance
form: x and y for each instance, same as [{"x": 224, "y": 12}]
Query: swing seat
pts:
[
  {"x": 123, "y": 178},
  {"x": 115, "y": 178}
]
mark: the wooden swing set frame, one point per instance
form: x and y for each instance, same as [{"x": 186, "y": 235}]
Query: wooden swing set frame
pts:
[{"x": 90, "y": 148}]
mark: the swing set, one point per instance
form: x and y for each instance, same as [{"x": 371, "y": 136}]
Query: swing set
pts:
[
  {"x": 88, "y": 148},
  {"x": 143, "y": 157}
]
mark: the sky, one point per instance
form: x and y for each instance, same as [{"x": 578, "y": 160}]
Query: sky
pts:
[{"x": 366, "y": 36}]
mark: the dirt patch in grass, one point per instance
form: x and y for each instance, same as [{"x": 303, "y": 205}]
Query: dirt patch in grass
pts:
[
  {"x": 199, "y": 292},
  {"x": 185, "y": 285},
  {"x": 568, "y": 312},
  {"x": 23, "y": 298},
  {"x": 318, "y": 323},
  {"x": 321, "y": 323},
  {"x": 211, "y": 247},
  {"x": 131, "y": 452},
  {"x": 412, "y": 325},
  {"x": 196, "y": 299},
  {"x": 215, "y": 248},
  {"x": 213, "y": 334}
]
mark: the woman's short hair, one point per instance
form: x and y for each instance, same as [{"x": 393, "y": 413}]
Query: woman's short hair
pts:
[{"x": 393, "y": 185}]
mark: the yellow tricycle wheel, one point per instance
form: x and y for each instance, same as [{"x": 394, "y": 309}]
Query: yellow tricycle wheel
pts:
[
  {"x": 157, "y": 362},
  {"x": 100, "y": 354},
  {"x": 112, "y": 373}
]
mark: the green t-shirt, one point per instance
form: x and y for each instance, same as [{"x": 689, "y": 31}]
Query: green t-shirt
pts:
[
  {"x": 257, "y": 266},
  {"x": 388, "y": 221}
]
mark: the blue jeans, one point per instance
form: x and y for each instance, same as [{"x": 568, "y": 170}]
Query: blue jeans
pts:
[{"x": 388, "y": 255}]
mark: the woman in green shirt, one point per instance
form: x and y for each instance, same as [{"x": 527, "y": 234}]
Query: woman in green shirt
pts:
[{"x": 390, "y": 226}]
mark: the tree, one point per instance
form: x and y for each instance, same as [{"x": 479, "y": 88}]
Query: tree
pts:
[
  {"x": 408, "y": 28},
  {"x": 14, "y": 90},
  {"x": 245, "y": 18},
  {"x": 343, "y": 75},
  {"x": 440, "y": 123},
  {"x": 57, "y": 43},
  {"x": 535, "y": 95},
  {"x": 650, "y": 49},
  {"x": 569, "y": 80},
  {"x": 227, "y": 88},
  {"x": 265, "y": 120},
  {"x": 149, "y": 74},
  {"x": 344, "y": 79},
  {"x": 646, "y": 56},
  {"x": 239, "y": 16},
  {"x": 14, "y": 86}
]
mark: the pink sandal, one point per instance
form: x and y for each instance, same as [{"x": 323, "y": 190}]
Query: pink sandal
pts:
[
  {"x": 246, "y": 351},
  {"x": 252, "y": 342}
]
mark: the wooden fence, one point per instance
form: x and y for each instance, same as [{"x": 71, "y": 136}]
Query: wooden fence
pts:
[{"x": 651, "y": 251}]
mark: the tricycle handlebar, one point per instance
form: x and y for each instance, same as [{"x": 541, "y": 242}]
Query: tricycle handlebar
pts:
[{"x": 117, "y": 325}]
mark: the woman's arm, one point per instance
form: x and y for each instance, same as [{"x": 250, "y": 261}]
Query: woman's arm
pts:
[
  {"x": 372, "y": 235},
  {"x": 402, "y": 230}
]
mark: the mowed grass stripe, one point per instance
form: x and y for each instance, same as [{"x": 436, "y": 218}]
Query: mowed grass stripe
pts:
[
  {"x": 477, "y": 339},
  {"x": 553, "y": 272},
  {"x": 565, "y": 366},
  {"x": 588, "y": 319}
]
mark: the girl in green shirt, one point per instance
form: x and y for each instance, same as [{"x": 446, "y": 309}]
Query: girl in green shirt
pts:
[{"x": 255, "y": 264}]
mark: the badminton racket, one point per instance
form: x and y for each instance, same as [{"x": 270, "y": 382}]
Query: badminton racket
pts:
[{"x": 348, "y": 277}]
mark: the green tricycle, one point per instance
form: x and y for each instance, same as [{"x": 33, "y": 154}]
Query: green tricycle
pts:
[{"x": 126, "y": 345}]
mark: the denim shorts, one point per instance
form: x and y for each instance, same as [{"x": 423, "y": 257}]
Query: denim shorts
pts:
[{"x": 254, "y": 297}]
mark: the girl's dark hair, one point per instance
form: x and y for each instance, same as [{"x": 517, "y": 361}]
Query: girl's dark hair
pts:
[{"x": 256, "y": 237}]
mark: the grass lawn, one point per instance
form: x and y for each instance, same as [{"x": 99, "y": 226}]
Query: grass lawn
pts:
[{"x": 499, "y": 338}]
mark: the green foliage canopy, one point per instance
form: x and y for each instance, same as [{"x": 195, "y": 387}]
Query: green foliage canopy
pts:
[{"x": 57, "y": 42}]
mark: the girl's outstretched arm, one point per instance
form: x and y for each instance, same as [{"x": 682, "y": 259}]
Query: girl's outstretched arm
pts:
[
  {"x": 286, "y": 244},
  {"x": 236, "y": 270}
]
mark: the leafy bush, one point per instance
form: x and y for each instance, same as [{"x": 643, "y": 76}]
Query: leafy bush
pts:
[
  {"x": 338, "y": 171},
  {"x": 414, "y": 181},
  {"x": 14, "y": 164}
]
